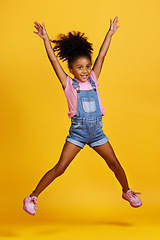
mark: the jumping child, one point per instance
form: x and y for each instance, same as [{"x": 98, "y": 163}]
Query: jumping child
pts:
[{"x": 85, "y": 107}]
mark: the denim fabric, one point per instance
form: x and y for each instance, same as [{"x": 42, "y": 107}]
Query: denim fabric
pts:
[{"x": 86, "y": 125}]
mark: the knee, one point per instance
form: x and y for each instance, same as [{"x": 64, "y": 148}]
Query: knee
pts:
[{"x": 59, "y": 169}]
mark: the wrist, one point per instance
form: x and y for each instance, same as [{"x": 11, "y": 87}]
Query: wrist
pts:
[
  {"x": 110, "y": 33},
  {"x": 45, "y": 38}
]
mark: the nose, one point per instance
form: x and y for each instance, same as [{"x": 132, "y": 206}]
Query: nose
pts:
[{"x": 84, "y": 70}]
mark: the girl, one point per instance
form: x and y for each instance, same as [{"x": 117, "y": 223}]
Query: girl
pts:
[{"x": 85, "y": 107}]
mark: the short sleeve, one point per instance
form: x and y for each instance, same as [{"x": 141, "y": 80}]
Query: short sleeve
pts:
[
  {"x": 69, "y": 82},
  {"x": 93, "y": 76}
]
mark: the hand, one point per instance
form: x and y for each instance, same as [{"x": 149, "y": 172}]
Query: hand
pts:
[
  {"x": 113, "y": 25},
  {"x": 41, "y": 30}
]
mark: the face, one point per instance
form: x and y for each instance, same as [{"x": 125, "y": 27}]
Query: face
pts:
[{"x": 81, "y": 68}]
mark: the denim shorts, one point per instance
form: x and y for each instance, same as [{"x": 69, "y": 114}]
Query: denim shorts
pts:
[{"x": 86, "y": 131}]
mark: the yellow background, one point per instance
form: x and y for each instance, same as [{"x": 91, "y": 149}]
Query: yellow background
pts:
[{"x": 34, "y": 122}]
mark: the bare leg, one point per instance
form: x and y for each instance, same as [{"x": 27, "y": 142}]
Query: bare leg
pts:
[
  {"x": 107, "y": 153},
  {"x": 68, "y": 153}
]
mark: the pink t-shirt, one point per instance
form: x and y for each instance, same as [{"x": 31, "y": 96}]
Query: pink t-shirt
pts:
[{"x": 71, "y": 93}]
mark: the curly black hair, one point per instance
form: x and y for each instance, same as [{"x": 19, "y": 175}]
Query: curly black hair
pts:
[{"x": 72, "y": 46}]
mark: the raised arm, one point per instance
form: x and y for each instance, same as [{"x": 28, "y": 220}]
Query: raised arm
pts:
[
  {"x": 104, "y": 48},
  {"x": 41, "y": 32}
]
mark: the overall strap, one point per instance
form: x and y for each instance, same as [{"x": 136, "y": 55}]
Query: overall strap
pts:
[
  {"x": 92, "y": 83},
  {"x": 76, "y": 84}
]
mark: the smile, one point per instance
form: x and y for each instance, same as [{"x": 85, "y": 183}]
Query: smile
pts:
[{"x": 84, "y": 76}]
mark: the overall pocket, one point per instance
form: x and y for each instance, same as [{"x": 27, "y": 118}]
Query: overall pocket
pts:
[
  {"x": 77, "y": 125},
  {"x": 89, "y": 105},
  {"x": 101, "y": 124}
]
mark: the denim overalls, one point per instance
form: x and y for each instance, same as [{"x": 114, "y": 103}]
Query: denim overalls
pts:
[{"x": 86, "y": 125}]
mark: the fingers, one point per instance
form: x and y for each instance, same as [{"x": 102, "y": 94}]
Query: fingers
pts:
[
  {"x": 116, "y": 19},
  {"x": 37, "y": 25},
  {"x": 111, "y": 25},
  {"x": 37, "y": 30},
  {"x": 115, "y": 22},
  {"x": 43, "y": 27}
]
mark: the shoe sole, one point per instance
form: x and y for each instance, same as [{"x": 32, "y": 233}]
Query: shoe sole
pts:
[{"x": 25, "y": 209}]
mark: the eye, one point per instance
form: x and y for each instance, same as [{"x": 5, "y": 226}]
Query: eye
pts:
[
  {"x": 79, "y": 67},
  {"x": 88, "y": 66}
]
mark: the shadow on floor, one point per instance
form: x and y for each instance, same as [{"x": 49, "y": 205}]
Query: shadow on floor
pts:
[
  {"x": 7, "y": 233},
  {"x": 66, "y": 227},
  {"x": 121, "y": 224}
]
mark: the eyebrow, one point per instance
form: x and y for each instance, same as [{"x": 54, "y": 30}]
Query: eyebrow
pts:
[{"x": 81, "y": 64}]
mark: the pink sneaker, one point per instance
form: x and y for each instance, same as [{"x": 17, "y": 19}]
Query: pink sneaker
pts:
[
  {"x": 131, "y": 197},
  {"x": 30, "y": 205}
]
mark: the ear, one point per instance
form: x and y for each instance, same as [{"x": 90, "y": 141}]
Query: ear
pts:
[{"x": 71, "y": 70}]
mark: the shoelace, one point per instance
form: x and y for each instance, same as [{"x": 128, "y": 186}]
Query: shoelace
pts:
[
  {"x": 34, "y": 200},
  {"x": 133, "y": 194}
]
